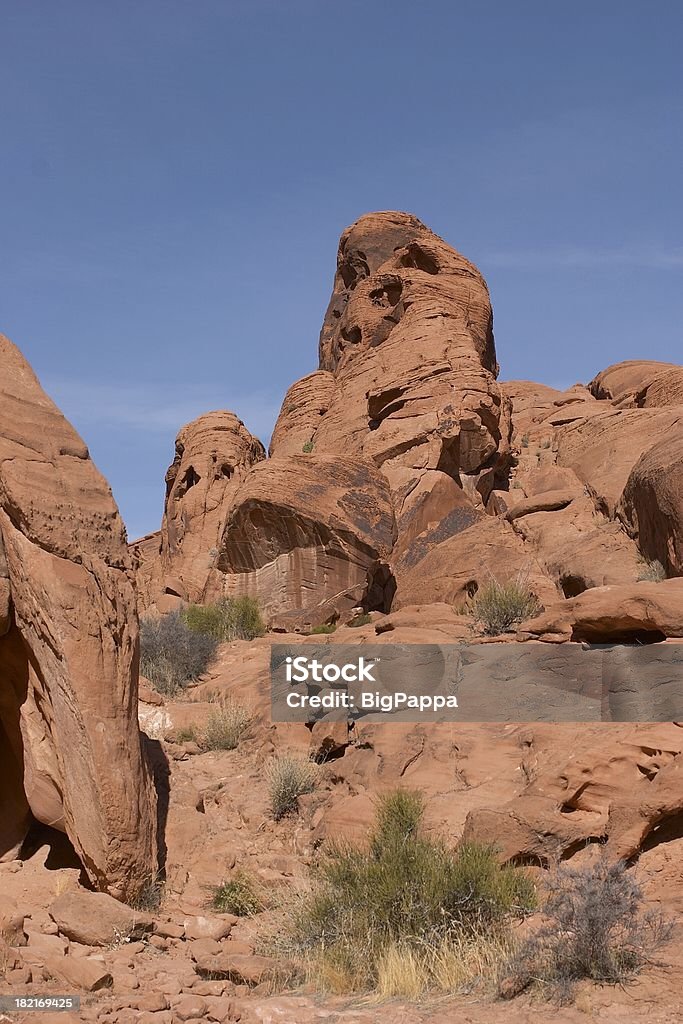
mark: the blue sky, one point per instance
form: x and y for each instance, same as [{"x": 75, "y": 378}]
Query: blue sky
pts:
[{"x": 175, "y": 176}]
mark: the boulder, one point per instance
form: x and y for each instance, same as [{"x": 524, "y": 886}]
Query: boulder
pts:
[
  {"x": 651, "y": 506},
  {"x": 96, "y": 919},
  {"x": 640, "y": 383},
  {"x": 72, "y": 756},
  {"x": 640, "y": 612},
  {"x": 310, "y": 535},
  {"x": 79, "y": 971}
]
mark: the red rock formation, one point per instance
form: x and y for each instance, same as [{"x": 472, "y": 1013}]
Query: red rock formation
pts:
[
  {"x": 213, "y": 455},
  {"x": 652, "y": 503},
  {"x": 69, "y": 650},
  {"x": 309, "y": 536},
  {"x": 407, "y": 386}
]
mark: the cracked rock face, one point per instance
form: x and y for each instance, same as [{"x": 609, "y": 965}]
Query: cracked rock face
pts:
[{"x": 71, "y": 752}]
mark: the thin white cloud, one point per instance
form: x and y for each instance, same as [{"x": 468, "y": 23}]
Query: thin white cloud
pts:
[
  {"x": 153, "y": 408},
  {"x": 585, "y": 258}
]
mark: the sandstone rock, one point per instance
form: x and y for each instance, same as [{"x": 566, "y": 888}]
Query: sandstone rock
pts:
[
  {"x": 201, "y": 927},
  {"x": 11, "y": 920},
  {"x": 603, "y": 449},
  {"x": 652, "y": 503},
  {"x": 306, "y": 401},
  {"x": 249, "y": 970},
  {"x": 72, "y": 755},
  {"x": 618, "y": 789},
  {"x": 548, "y": 501},
  {"x": 310, "y": 535},
  {"x": 639, "y": 612},
  {"x": 454, "y": 570},
  {"x": 213, "y": 455},
  {"x": 189, "y": 1007},
  {"x": 96, "y": 919},
  {"x": 640, "y": 383},
  {"x": 79, "y": 972}
]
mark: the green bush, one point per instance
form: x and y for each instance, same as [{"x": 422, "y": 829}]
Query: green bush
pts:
[
  {"x": 288, "y": 779},
  {"x": 308, "y": 447},
  {"x": 327, "y": 627},
  {"x": 361, "y": 620},
  {"x": 402, "y": 891},
  {"x": 225, "y": 726},
  {"x": 172, "y": 654},
  {"x": 237, "y": 896},
  {"x": 498, "y": 606},
  {"x": 232, "y": 618},
  {"x": 595, "y": 928}
]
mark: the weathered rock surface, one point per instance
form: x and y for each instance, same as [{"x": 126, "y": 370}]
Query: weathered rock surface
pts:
[
  {"x": 642, "y": 612},
  {"x": 640, "y": 383},
  {"x": 406, "y": 394},
  {"x": 651, "y": 505},
  {"x": 603, "y": 449},
  {"x": 71, "y": 752},
  {"x": 621, "y": 784},
  {"x": 311, "y": 536},
  {"x": 96, "y": 919},
  {"x": 454, "y": 568},
  {"x": 213, "y": 455}
]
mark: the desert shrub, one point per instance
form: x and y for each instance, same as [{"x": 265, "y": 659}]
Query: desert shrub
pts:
[
  {"x": 237, "y": 895},
  {"x": 595, "y": 928},
  {"x": 498, "y": 606},
  {"x": 394, "y": 914},
  {"x": 651, "y": 571},
  {"x": 232, "y": 618},
  {"x": 308, "y": 447},
  {"x": 172, "y": 654},
  {"x": 288, "y": 779},
  {"x": 226, "y": 726},
  {"x": 361, "y": 620},
  {"x": 327, "y": 627},
  {"x": 186, "y": 734},
  {"x": 150, "y": 895}
]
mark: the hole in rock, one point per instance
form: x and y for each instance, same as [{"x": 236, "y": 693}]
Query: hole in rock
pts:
[
  {"x": 667, "y": 831},
  {"x": 191, "y": 478},
  {"x": 226, "y": 470},
  {"x": 416, "y": 257},
  {"x": 471, "y": 588},
  {"x": 572, "y": 586},
  {"x": 352, "y": 334}
]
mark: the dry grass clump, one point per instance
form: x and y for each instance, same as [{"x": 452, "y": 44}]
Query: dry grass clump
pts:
[
  {"x": 238, "y": 895},
  {"x": 595, "y": 929},
  {"x": 232, "y": 618},
  {"x": 150, "y": 895},
  {"x": 499, "y": 606},
  {"x": 289, "y": 778},
  {"x": 172, "y": 654},
  {"x": 404, "y": 914},
  {"x": 651, "y": 571},
  {"x": 226, "y": 725}
]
